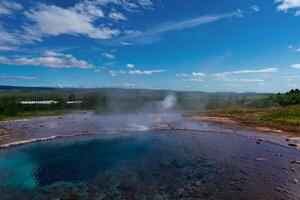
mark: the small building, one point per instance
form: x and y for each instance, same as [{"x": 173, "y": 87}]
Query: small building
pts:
[{"x": 44, "y": 102}]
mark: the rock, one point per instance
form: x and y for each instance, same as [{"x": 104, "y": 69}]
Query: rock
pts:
[
  {"x": 279, "y": 154},
  {"x": 238, "y": 188},
  {"x": 198, "y": 183},
  {"x": 279, "y": 189},
  {"x": 164, "y": 163},
  {"x": 178, "y": 164},
  {"x": 244, "y": 172},
  {"x": 140, "y": 197},
  {"x": 293, "y": 169},
  {"x": 180, "y": 191},
  {"x": 86, "y": 131},
  {"x": 293, "y": 145},
  {"x": 295, "y": 181},
  {"x": 295, "y": 161},
  {"x": 232, "y": 183},
  {"x": 158, "y": 197},
  {"x": 100, "y": 197},
  {"x": 260, "y": 159}
]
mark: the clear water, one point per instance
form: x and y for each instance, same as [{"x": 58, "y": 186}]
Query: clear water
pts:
[{"x": 150, "y": 165}]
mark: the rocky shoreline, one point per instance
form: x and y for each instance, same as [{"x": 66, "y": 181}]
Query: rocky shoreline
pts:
[{"x": 20, "y": 132}]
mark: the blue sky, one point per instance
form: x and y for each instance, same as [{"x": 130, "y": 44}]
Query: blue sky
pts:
[{"x": 209, "y": 45}]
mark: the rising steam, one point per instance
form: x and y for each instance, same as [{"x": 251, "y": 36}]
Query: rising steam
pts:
[{"x": 169, "y": 102}]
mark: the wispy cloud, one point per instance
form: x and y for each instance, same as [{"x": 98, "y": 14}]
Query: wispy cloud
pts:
[
  {"x": 248, "y": 71},
  {"x": 255, "y": 8},
  {"x": 130, "y": 65},
  {"x": 194, "y": 76},
  {"x": 117, "y": 73},
  {"x": 17, "y": 77},
  {"x": 240, "y": 80},
  {"x": 162, "y": 28},
  {"x": 117, "y": 16},
  {"x": 146, "y": 72},
  {"x": 108, "y": 55},
  {"x": 48, "y": 59},
  {"x": 296, "y": 66},
  {"x": 8, "y": 7}
]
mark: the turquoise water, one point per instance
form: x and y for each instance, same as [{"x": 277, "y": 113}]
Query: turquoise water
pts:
[{"x": 150, "y": 165}]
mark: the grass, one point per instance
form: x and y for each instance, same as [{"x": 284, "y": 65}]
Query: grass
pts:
[
  {"x": 288, "y": 115},
  {"x": 283, "y": 118},
  {"x": 37, "y": 114}
]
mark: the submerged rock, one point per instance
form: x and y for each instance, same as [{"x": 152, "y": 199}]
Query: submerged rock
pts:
[
  {"x": 295, "y": 161},
  {"x": 260, "y": 159},
  {"x": 164, "y": 162},
  {"x": 295, "y": 181},
  {"x": 279, "y": 189},
  {"x": 293, "y": 145},
  {"x": 159, "y": 197}
]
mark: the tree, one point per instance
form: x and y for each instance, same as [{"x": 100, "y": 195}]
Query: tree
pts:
[
  {"x": 72, "y": 97},
  {"x": 94, "y": 101}
]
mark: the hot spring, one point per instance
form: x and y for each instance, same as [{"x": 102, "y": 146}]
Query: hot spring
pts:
[{"x": 165, "y": 164}]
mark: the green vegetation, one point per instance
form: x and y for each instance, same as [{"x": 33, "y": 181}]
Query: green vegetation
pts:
[
  {"x": 287, "y": 115},
  {"x": 11, "y": 106},
  {"x": 283, "y": 118}
]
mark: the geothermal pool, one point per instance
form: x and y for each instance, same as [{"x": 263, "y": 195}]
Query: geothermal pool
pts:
[{"x": 150, "y": 164}]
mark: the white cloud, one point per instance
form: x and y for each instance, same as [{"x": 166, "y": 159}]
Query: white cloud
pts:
[
  {"x": 17, "y": 77},
  {"x": 198, "y": 74},
  {"x": 116, "y": 73},
  {"x": 182, "y": 75},
  {"x": 48, "y": 59},
  {"x": 126, "y": 43},
  {"x": 296, "y": 66},
  {"x": 196, "y": 79},
  {"x": 108, "y": 55},
  {"x": 287, "y": 4},
  {"x": 97, "y": 70},
  {"x": 130, "y": 65},
  {"x": 10, "y": 41},
  {"x": 117, "y": 16},
  {"x": 146, "y": 72},
  {"x": 255, "y": 8},
  {"x": 145, "y": 3},
  {"x": 194, "y": 76},
  {"x": 8, "y": 7},
  {"x": 251, "y": 80},
  {"x": 54, "y": 21},
  {"x": 297, "y": 13},
  {"x": 85, "y": 19},
  {"x": 248, "y": 71}
]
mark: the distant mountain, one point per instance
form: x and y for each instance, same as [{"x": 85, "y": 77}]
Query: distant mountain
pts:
[{"x": 123, "y": 91}]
